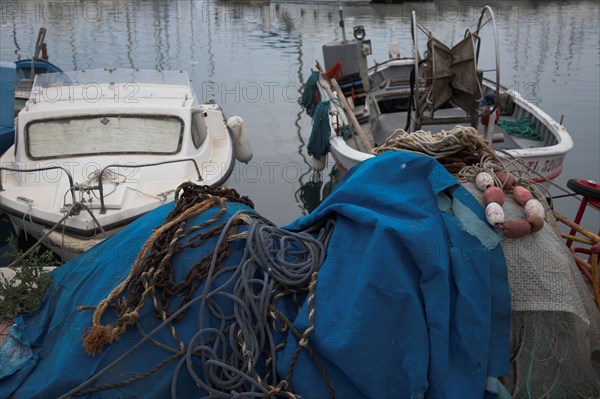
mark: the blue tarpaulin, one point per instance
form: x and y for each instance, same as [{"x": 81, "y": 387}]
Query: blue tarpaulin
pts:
[
  {"x": 59, "y": 362},
  {"x": 408, "y": 303},
  {"x": 412, "y": 300}
]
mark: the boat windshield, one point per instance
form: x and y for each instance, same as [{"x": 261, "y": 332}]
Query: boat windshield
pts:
[
  {"x": 104, "y": 134},
  {"x": 105, "y": 76}
]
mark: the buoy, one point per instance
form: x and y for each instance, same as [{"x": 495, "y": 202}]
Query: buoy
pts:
[
  {"x": 516, "y": 228},
  {"x": 522, "y": 195},
  {"x": 243, "y": 149},
  {"x": 534, "y": 207},
  {"x": 318, "y": 164},
  {"x": 494, "y": 214},
  {"x": 493, "y": 194},
  {"x": 536, "y": 222},
  {"x": 484, "y": 180},
  {"x": 506, "y": 178}
]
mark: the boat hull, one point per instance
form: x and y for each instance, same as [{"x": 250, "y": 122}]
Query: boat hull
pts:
[
  {"x": 544, "y": 162},
  {"x": 69, "y": 240},
  {"x": 64, "y": 245}
]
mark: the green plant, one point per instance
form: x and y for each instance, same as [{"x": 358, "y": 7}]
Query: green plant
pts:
[{"x": 25, "y": 290}]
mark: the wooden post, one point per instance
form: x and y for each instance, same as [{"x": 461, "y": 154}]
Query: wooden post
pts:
[{"x": 351, "y": 115}]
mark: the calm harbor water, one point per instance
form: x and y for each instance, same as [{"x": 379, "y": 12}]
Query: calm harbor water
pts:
[{"x": 253, "y": 57}]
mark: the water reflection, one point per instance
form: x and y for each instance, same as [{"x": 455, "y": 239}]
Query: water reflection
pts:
[
  {"x": 16, "y": 44},
  {"x": 304, "y": 191},
  {"x": 130, "y": 44},
  {"x": 158, "y": 36},
  {"x": 549, "y": 51},
  {"x": 309, "y": 194}
]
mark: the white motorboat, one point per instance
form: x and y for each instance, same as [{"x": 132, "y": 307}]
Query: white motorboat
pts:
[
  {"x": 438, "y": 91},
  {"x": 95, "y": 150}
]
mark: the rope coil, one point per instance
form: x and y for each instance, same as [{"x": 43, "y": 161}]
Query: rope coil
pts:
[
  {"x": 238, "y": 359},
  {"x": 454, "y": 149},
  {"x": 437, "y": 145}
]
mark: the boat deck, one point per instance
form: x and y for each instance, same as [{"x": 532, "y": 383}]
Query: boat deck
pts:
[{"x": 390, "y": 122}]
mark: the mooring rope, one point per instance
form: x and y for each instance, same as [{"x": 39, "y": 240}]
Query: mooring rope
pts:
[
  {"x": 70, "y": 211},
  {"x": 238, "y": 359}
]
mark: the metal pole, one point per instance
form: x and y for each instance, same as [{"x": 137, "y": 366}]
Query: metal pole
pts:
[{"x": 342, "y": 21}]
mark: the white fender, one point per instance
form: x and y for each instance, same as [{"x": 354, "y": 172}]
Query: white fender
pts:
[
  {"x": 243, "y": 149},
  {"x": 319, "y": 164}
]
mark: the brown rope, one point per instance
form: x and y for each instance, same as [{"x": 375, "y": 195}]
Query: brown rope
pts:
[
  {"x": 152, "y": 270},
  {"x": 151, "y": 279}
]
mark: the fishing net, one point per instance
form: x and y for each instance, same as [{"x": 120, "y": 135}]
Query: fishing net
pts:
[
  {"x": 521, "y": 128},
  {"x": 555, "y": 327}
]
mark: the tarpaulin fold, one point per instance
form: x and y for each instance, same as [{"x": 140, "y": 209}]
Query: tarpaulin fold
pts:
[{"x": 412, "y": 300}]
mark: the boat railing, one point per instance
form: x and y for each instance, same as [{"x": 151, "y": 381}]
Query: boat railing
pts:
[
  {"x": 71, "y": 181},
  {"x": 101, "y": 189},
  {"x": 73, "y": 187}
]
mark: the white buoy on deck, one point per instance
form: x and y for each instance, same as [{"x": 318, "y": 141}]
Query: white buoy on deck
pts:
[
  {"x": 243, "y": 149},
  {"x": 394, "y": 50}
]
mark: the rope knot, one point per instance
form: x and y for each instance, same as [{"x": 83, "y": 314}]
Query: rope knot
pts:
[
  {"x": 130, "y": 318},
  {"x": 96, "y": 337},
  {"x": 281, "y": 386}
]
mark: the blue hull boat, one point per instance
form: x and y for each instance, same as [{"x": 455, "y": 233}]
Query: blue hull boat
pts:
[
  {"x": 16, "y": 79},
  {"x": 25, "y": 74},
  {"x": 7, "y": 121}
]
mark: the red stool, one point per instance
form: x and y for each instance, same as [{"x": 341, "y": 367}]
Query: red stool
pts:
[{"x": 591, "y": 195}]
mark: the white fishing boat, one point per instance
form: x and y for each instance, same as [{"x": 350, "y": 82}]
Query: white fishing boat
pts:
[
  {"x": 437, "y": 91},
  {"x": 97, "y": 149}
]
